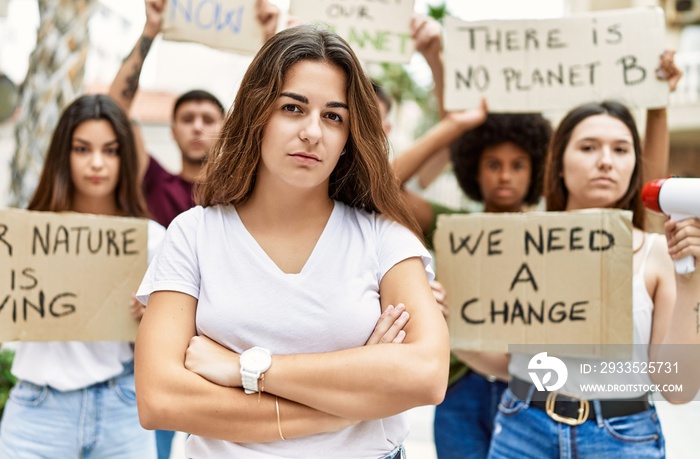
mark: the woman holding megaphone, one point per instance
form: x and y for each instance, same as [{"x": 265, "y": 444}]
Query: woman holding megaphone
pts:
[{"x": 595, "y": 161}]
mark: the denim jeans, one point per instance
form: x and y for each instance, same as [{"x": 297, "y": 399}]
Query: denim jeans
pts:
[
  {"x": 521, "y": 431},
  {"x": 398, "y": 453},
  {"x": 464, "y": 420},
  {"x": 99, "y": 421},
  {"x": 164, "y": 443}
]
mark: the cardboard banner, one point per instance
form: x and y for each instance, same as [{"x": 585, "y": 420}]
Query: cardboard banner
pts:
[
  {"x": 229, "y": 25},
  {"x": 69, "y": 276},
  {"x": 378, "y": 31},
  {"x": 536, "y": 278},
  {"x": 535, "y": 65}
]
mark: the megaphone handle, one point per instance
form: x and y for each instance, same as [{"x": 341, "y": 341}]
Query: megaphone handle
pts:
[{"x": 685, "y": 265}]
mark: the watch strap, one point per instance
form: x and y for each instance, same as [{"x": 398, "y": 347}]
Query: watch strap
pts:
[{"x": 250, "y": 381}]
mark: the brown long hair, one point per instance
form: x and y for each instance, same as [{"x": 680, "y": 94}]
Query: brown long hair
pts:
[
  {"x": 55, "y": 190},
  {"x": 362, "y": 178},
  {"x": 555, "y": 191}
]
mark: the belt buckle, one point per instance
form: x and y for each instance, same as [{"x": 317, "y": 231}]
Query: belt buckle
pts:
[{"x": 583, "y": 411}]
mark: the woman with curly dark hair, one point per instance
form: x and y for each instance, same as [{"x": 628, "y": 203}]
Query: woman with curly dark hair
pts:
[
  {"x": 500, "y": 164},
  {"x": 498, "y": 160}
]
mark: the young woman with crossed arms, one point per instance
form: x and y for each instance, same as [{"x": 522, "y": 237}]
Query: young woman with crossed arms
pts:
[{"x": 301, "y": 242}]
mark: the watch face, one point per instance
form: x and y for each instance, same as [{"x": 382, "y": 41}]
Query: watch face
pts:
[{"x": 256, "y": 360}]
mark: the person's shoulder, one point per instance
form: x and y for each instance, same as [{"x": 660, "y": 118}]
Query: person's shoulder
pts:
[
  {"x": 659, "y": 246},
  {"x": 369, "y": 221},
  {"x": 381, "y": 226},
  {"x": 658, "y": 259},
  {"x": 153, "y": 165},
  {"x": 156, "y": 171},
  {"x": 659, "y": 243},
  {"x": 361, "y": 216},
  {"x": 203, "y": 214},
  {"x": 189, "y": 217}
]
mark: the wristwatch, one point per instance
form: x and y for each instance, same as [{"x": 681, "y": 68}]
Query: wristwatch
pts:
[{"x": 254, "y": 362}]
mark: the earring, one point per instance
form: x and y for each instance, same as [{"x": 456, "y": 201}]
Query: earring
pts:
[{"x": 343, "y": 152}]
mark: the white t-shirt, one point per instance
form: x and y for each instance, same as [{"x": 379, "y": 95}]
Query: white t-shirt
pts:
[
  {"x": 70, "y": 365},
  {"x": 245, "y": 300}
]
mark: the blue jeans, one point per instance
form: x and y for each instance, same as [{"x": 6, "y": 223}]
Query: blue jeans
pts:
[
  {"x": 99, "y": 421},
  {"x": 398, "y": 453},
  {"x": 521, "y": 431},
  {"x": 464, "y": 420},
  {"x": 164, "y": 443}
]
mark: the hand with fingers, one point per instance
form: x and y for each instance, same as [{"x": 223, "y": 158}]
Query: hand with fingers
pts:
[
  {"x": 426, "y": 33},
  {"x": 213, "y": 362},
  {"x": 154, "y": 17},
  {"x": 220, "y": 365},
  {"x": 440, "y": 297},
  {"x": 469, "y": 119},
  {"x": 684, "y": 239},
  {"x": 389, "y": 328},
  {"x": 136, "y": 308},
  {"x": 667, "y": 69},
  {"x": 268, "y": 15}
]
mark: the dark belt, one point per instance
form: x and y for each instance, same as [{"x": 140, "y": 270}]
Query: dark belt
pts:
[{"x": 572, "y": 410}]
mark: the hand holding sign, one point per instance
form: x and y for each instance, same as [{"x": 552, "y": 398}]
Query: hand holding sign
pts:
[
  {"x": 154, "y": 17},
  {"x": 470, "y": 119},
  {"x": 668, "y": 70},
  {"x": 268, "y": 15},
  {"x": 426, "y": 33}
]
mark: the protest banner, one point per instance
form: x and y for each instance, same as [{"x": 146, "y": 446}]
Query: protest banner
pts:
[
  {"x": 69, "y": 276},
  {"x": 537, "y": 278},
  {"x": 535, "y": 65},
  {"x": 229, "y": 25},
  {"x": 377, "y": 30}
]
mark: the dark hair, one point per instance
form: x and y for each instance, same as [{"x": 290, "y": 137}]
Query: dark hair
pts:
[
  {"x": 362, "y": 178},
  {"x": 555, "y": 190},
  {"x": 382, "y": 94},
  {"x": 529, "y": 131},
  {"x": 197, "y": 95},
  {"x": 55, "y": 190}
]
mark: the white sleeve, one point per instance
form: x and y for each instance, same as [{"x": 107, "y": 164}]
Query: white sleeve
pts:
[
  {"x": 156, "y": 234},
  {"x": 396, "y": 243},
  {"x": 175, "y": 266}
]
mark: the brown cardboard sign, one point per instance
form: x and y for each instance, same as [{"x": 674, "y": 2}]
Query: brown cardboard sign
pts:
[
  {"x": 69, "y": 276},
  {"x": 229, "y": 25},
  {"x": 548, "y": 64},
  {"x": 377, "y": 31},
  {"x": 536, "y": 278}
]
